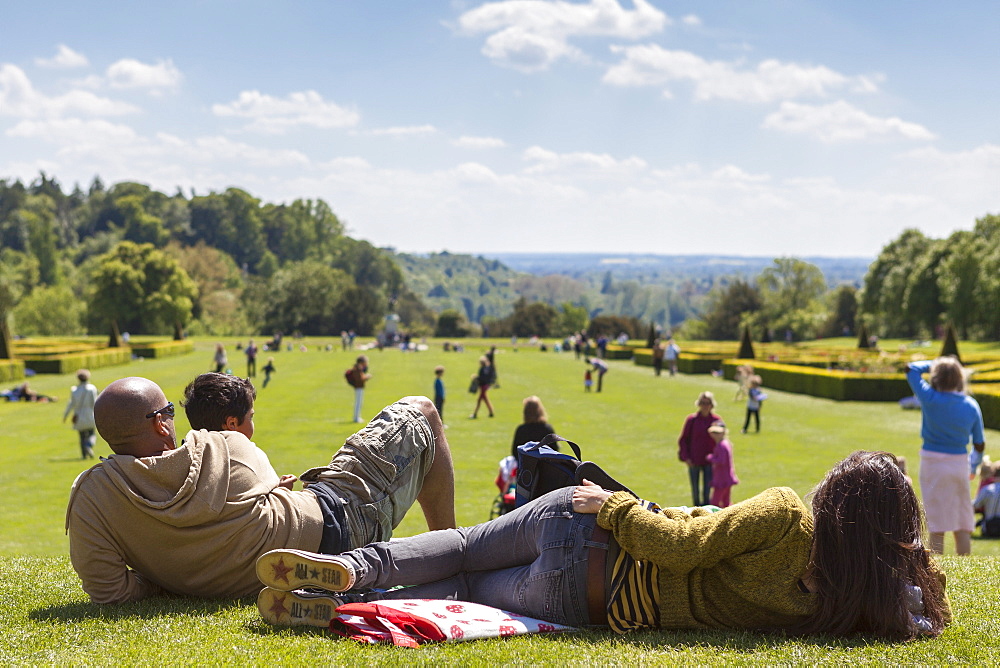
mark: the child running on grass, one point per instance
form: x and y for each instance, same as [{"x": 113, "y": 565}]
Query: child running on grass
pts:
[
  {"x": 439, "y": 390},
  {"x": 588, "y": 380},
  {"x": 755, "y": 397},
  {"x": 723, "y": 468},
  {"x": 268, "y": 370}
]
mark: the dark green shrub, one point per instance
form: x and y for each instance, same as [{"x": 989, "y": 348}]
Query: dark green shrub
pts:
[
  {"x": 158, "y": 349},
  {"x": 70, "y": 362},
  {"x": 11, "y": 370}
]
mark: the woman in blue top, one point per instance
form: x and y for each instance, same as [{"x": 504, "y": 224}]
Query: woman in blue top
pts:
[{"x": 950, "y": 419}]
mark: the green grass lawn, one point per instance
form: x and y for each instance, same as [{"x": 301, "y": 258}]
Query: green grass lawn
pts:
[{"x": 304, "y": 415}]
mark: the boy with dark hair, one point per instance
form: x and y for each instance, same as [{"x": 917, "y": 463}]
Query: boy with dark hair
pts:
[{"x": 220, "y": 402}]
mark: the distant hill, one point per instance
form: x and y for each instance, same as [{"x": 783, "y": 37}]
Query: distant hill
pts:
[
  {"x": 646, "y": 268},
  {"x": 665, "y": 289}
]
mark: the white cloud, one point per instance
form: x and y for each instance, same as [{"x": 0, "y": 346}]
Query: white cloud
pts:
[
  {"x": 530, "y": 35},
  {"x": 527, "y": 51},
  {"x": 691, "y": 20},
  {"x": 578, "y": 163},
  {"x": 130, "y": 73},
  {"x": 19, "y": 98},
  {"x": 117, "y": 147},
  {"x": 957, "y": 181},
  {"x": 770, "y": 80},
  {"x": 734, "y": 174},
  {"x": 74, "y": 132},
  {"x": 840, "y": 121},
  {"x": 479, "y": 142},
  {"x": 91, "y": 81},
  {"x": 475, "y": 173},
  {"x": 212, "y": 149},
  {"x": 404, "y": 131},
  {"x": 562, "y": 200},
  {"x": 65, "y": 58},
  {"x": 276, "y": 115}
]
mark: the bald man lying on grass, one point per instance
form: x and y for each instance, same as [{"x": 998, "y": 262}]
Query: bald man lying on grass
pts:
[{"x": 193, "y": 519}]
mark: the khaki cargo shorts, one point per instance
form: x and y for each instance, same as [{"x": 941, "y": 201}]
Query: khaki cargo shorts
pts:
[{"x": 379, "y": 471}]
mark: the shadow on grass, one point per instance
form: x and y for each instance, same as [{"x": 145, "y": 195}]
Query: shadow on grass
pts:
[
  {"x": 148, "y": 608},
  {"x": 746, "y": 642},
  {"x": 731, "y": 641}
]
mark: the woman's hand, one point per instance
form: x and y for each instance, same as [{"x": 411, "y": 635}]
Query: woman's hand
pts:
[
  {"x": 287, "y": 481},
  {"x": 588, "y": 498}
]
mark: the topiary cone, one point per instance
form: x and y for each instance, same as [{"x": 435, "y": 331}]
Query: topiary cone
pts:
[
  {"x": 746, "y": 346},
  {"x": 115, "y": 337},
  {"x": 863, "y": 336},
  {"x": 950, "y": 346}
]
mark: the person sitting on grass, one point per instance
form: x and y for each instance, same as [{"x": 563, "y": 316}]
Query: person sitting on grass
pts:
[
  {"x": 987, "y": 500},
  {"x": 855, "y": 565},
  {"x": 193, "y": 519},
  {"x": 535, "y": 426}
]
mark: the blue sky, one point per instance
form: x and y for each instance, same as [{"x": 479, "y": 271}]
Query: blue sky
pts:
[{"x": 750, "y": 128}]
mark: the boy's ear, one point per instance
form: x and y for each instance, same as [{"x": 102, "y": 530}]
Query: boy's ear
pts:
[{"x": 231, "y": 423}]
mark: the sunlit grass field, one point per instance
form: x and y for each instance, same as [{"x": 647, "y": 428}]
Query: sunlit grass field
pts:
[{"x": 304, "y": 415}]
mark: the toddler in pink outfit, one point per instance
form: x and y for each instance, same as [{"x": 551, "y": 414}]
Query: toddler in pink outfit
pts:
[{"x": 723, "y": 469}]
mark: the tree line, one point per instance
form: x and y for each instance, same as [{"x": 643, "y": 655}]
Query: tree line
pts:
[
  {"x": 918, "y": 284},
  {"x": 219, "y": 263},
  {"x": 226, "y": 263},
  {"x": 915, "y": 287}
]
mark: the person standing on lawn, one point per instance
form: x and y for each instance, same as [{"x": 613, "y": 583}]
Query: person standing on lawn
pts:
[
  {"x": 672, "y": 353},
  {"x": 696, "y": 444},
  {"x": 81, "y": 404},
  {"x": 251, "y": 352},
  {"x": 439, "y": 390},
  {"x": 359, "y": 376},
  {"x": 723, "y": 468},
  {"x": 950, "y": 418},
  {"x": 484, "y": 379}
]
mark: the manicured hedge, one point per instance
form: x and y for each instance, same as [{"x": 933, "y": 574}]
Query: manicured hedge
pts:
[
  {"x": 992, "y": 376},
  {"x": 988, "y": 397},
  {"x": 70, "y": 362},
  {"x": 11, "y": 370},
  {"x": 702, "y": 364},
  {"x": 830, "y": 384},
  {"x": 34, "y": 348},
  {"x": 156, "y": 349},
  {"x": 693, "y": 363},
  {"x": 615, "y": 351}
]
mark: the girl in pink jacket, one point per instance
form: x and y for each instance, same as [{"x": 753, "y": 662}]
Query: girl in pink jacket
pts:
[{"x": 723, "y": 469}]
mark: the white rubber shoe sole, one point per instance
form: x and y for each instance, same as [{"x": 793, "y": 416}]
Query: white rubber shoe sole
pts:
[
  {"x": 297, "y": 608},
  {"x": 286, "y": 570}
]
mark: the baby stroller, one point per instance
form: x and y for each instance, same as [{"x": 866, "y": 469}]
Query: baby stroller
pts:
[{"x": 506, "y": 482}]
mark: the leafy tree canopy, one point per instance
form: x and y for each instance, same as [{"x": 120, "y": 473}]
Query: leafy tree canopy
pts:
[{"x": 141, "y": 288}]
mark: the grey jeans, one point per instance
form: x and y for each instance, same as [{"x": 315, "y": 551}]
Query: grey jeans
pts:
[{"x": 531, "y": 561}]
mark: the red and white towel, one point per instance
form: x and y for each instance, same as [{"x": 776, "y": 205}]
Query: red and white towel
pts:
[{"x": 413, "y": 622}]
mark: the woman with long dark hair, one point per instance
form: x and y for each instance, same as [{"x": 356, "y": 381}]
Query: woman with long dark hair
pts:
[
  {"x": 586, "y": 556},
  {"x": 535, "y": 426}
]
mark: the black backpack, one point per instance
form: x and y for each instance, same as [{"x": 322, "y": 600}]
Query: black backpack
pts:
[
  {"x": 541, "y": 469},
  {"x": 991, "y": 527}
]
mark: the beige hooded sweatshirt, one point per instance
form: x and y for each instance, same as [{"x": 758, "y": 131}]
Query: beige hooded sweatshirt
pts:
[{"x": 190, "y": 521}]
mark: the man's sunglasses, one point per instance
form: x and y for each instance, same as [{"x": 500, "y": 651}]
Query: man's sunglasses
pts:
[{"x": 167, "y": 410}]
